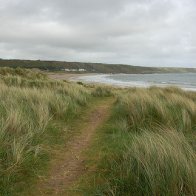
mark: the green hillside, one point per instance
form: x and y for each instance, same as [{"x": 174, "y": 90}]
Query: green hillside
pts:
[{"x": 88, "y": 67}]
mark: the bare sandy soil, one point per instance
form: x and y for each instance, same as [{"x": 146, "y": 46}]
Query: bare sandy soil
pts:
[{"x": 67, "y": 76}]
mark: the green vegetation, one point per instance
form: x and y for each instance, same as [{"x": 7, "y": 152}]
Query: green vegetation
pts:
[
  {"x": 88, "y": 67},
  {"x": 102, "y": 91},
  {"x": 24, "y": 73},
  {"x": 34, "y": 112},
  {"x": 147, "y": 147}
]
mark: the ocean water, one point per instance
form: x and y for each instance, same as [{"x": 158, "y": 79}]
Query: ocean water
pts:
[{"x": 183, "y": 80}]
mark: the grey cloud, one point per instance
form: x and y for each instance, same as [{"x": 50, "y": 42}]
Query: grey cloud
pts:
[{"x": 140, "y": 32}]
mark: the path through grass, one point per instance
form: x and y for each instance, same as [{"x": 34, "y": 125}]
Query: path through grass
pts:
[
  {"x": 69, "y": 162},
  {"x": 147, "y": 147}
]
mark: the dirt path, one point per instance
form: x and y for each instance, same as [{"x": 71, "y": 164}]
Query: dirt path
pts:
[{"x": 70, "y": 164}]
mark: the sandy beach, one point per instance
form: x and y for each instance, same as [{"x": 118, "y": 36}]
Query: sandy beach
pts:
[
  {"x": 184, "y": 81},
  {"x": 67, "y": 76}
]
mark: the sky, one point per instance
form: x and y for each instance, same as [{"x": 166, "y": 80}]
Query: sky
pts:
[{"x": 135, "y": 32}]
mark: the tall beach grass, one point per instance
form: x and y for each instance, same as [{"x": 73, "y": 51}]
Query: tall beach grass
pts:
[
  {"x": 147, "y": 146},
  {"x": 29, "y": 103}
]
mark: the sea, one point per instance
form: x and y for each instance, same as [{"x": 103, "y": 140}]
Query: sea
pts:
[{"x": 185, "y": 81}]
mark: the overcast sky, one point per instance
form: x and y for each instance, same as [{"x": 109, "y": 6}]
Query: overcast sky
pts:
[{"x": 135, "y": 32}]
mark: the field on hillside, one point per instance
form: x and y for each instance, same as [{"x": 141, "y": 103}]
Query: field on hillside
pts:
[
  {"x": 147, "y": 147},
  {"x": 81, "y": 67}
]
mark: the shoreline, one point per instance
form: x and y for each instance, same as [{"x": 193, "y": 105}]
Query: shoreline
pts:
[{"x": 99, "y": 78}]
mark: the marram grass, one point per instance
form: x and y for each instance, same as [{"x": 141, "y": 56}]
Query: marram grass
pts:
[
  {"x": 161, "y": 163},
  {"x": 147, "y": 146},
  {"x": 29, "y": 103}
]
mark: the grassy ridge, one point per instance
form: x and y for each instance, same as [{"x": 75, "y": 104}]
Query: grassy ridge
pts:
[
  {"x": 32, "y": 108},
  {"x": 89, "y": 67},
  {"x": 148, "y": 145}
]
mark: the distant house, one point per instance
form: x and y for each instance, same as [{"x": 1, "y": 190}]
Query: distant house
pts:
[
  {"x": 74, "y": 70},
  {"x": 82, "y": 70}
]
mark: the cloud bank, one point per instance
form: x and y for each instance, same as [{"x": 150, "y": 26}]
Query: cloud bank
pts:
[{"x": 136, "y": 32}]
